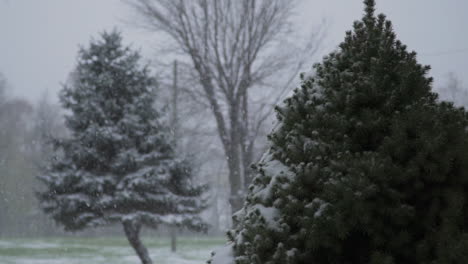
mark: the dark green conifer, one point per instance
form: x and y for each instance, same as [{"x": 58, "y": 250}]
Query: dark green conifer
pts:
[{"x": 366, "y": 165}]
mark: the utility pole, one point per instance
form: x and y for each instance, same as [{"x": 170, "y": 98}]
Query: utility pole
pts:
[
  {"x": 175, "y": 127},
  {"x": 175, "y": 98}
]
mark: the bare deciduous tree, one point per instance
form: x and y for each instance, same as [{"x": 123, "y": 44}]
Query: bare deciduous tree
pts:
[
  {"x": 454, "y": 91},
  {"x": 233, "y": 47}
]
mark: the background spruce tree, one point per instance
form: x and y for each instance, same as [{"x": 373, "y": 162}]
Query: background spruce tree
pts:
[
  {"x": 118, "y": 165},
  {"x": 366, "y": 165}
]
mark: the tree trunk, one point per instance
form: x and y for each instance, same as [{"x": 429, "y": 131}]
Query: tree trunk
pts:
[
  {"x": 236, "y": 198},
  {"x": 247, "y": 161},
  {"x": 132, "y": 231},
  {"x": 247, "y": 143}
]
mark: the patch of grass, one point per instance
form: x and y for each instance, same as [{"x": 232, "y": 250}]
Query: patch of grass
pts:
[
  {"x": 104, "y": 250},
  {"x": 42, "y": 252}
]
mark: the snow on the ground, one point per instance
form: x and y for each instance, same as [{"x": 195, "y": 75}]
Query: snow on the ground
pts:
[
  {"x": 79, "y": 251},
  {"x": 223, "y": 255}
]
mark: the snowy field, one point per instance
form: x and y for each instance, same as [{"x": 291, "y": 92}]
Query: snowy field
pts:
[{"x": 103, "y": 250}]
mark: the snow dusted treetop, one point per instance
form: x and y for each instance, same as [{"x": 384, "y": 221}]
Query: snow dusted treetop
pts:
[
  {"x": 365, "y": 166},
  {"x": 118, "y": 165}
]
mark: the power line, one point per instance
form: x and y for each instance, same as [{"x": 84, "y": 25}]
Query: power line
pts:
[{"x": 441, "y": 53}]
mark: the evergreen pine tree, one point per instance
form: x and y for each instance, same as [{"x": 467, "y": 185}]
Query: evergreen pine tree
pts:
[
  {"x": 118, "y": 165},
  {"x": 365, "y": 166}
]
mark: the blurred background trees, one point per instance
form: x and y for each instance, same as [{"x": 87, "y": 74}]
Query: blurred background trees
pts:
[
  {"x": 24, "y": 131},
  {"x": 453, "y": 90},
  {"x": 231, "y": 54}
]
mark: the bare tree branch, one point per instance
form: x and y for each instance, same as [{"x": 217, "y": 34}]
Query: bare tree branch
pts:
[{"x": 234, "y": 47}]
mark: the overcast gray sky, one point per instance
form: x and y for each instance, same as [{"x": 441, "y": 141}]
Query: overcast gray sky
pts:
[{"x": 40, "y": 38}]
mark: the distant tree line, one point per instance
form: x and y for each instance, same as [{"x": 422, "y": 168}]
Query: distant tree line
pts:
[{"x": 25, "y": 128}]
